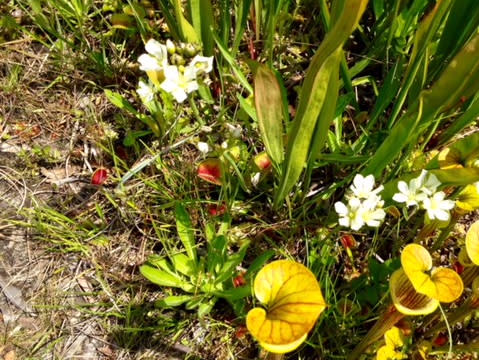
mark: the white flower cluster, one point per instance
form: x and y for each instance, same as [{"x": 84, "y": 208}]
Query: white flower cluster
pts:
[
  {"x": 422, "y": 192},
  {"x": 176, "y": 80},
  {"x": 364, "y": 204}
]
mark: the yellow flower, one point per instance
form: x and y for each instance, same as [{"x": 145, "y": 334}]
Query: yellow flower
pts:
[
  {"x": 442, "y": 284},
  {"x": 293, "y": 299}
]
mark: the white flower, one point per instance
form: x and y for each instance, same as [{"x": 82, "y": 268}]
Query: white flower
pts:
[
  {"x": 235, "y": 131},
  {"x": 349, "y": 216},
  {"x": 224, "y": 145},
  {"x": 430, "y": 184},
  {"x": 437, "y": 207},
  {"x": 412, "y": 194},
  {"x": 179, "y": 84},
  {"x": 157, "y": 57},
  {"x": 362, "y": 187},
  {"x": 202, "y": 64},
  {"x": 146, "y": 92},
  {"x": 477, "y": 186},
  {"x": 203, "y": 147},
  {"x": 371, "y": 214},
  {"x": 364, "y": 204}
]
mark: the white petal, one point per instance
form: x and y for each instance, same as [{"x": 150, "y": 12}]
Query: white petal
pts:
[
  {"x": 442, "y": 215},
  {"x": 402, "y": 187},
  {"x": 400, "y": 198},
  {"x": 149, "y": 63},
  {"x": 191, "y": 86},
  {"x": 156, "y": 49},
  {"x": 169, "y": 85},
  {"x": 202, "y": 63},
  {"x": 179, "y": 94},
  {"x": 340, "y": 208},
  {"x": 368, "y": 182},
  {"x": 189, "y": 73},
  {"x": 172, "y": 73},
  {"x": 344, "y": 221}
]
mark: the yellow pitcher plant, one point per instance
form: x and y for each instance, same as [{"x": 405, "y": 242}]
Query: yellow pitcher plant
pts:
[{"x": 292, "y": 302}]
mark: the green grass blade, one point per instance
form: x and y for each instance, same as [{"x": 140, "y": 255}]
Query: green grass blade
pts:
[
  {"x": 241, "y": 18},
  {"x": 203, "y": 22},
  {"x": 187, "y": 31},
  {"x": 269, "y": 109},
  {"x": 232, "y": 63},
  {"x": 185, "y": 231},
  {"x": 313, "y": 93}
]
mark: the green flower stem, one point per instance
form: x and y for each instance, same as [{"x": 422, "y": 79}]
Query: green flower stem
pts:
[
  {"x": 388, "y": 319},
  {"x": 266, "y": 355},
  {"x": 459, "y": 314}
]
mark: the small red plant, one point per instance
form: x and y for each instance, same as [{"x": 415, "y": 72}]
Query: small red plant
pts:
[
  {"x": 217, "y": 210},
  {"x": 440, "y": 340},
  {"x": 262, "y": 161},
  {"x": 239, "y": 281},
  {"x": 210, "y": 170},
  {"x": 458, "y": 267},
  {"x": 99, "y": 176},
  {"x": 348, "y": 241}
]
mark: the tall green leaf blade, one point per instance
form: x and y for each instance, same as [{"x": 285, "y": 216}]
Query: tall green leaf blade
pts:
[
  {"x": 462, "y": 21},
  {"x": 469, "y": 116},
  {"x": 313, "y": 93},
  {"x": 185, "y": 231},
  {"x": 269, "y": 109},
  {"x": 203, "y": 22},
  {"x": 460, "y": 78},
  {"x": 187, "y": 31}
]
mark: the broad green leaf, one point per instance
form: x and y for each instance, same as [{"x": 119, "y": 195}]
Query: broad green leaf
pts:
[
  {"x": 472, "y": 243},
  {"x": 204, "y": 308},
  {"x": 294, "y": 301},
  {"x": 185, "y": 231},
  {"x": 269, "y": 109},
  {"x": 234, "y": 294},
  {"x": 232, "y": 261},
  {"x": 162, "y": 278},
  {"x": 172, "y": 301},
  {"x": 313, "y": 94},
  {"x": 183, "y": 264},
  {"x": 203, "y": 22}
]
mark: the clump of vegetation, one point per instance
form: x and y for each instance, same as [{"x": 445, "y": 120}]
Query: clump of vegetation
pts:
[{"x": 263, "y": 179}]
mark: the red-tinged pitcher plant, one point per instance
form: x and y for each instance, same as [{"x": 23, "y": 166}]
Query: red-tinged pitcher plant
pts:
[
  {"x": 293, "y": 301},
  {"x": 416, "y": 289},
  {"x": 211, "y": 170}
]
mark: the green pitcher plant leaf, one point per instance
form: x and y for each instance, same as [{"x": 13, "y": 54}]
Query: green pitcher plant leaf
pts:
[
  {"x": 269, "y": 109},
  {"x": 323, "y": 66},
  {"x": 293, "y": 300}
]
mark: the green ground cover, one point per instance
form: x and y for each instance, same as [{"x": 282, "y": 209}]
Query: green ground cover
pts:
[{"x": 239, "y": 179}]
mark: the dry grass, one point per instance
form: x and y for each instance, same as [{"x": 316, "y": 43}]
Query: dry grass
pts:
[{"x": 75, "y": 292}]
